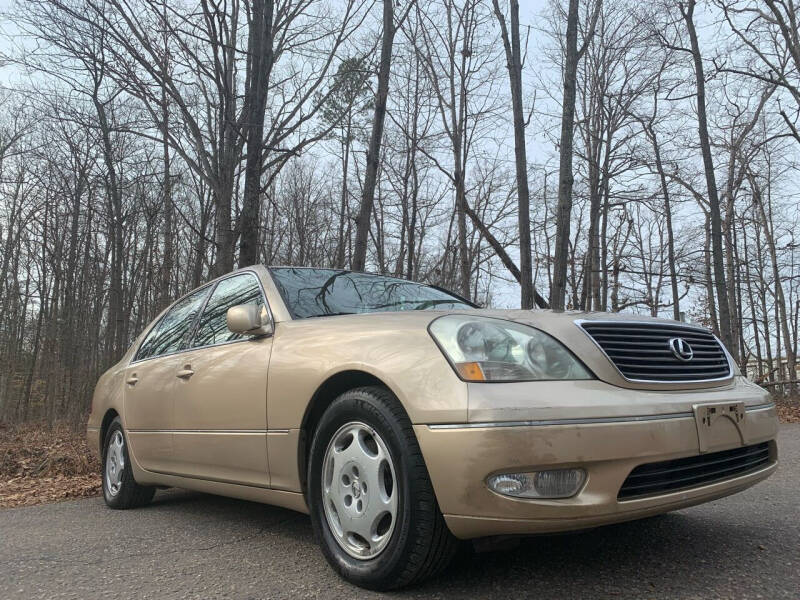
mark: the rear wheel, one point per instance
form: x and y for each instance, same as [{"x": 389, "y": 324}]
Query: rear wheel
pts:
[
  {"x": 120, "y": 490},
  {"x": 372, "y": 503}
]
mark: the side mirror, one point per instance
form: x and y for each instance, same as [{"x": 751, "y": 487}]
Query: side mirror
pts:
[{"x": 249, "y": 319}]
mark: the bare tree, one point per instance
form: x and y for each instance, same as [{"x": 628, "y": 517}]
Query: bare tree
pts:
[
  {"x": 346, "y": 102},
  {"x": 724, "y": 302},
  {"x": 260, "y": 59},
  {"x": 770, "y": 36},
  {"x": 512, "y": 46},
  {"x": 373, "y": 152},
  {"x": 572, "y": 55}
]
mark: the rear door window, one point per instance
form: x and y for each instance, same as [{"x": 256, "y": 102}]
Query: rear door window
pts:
[{"x": 171, "y": 333}]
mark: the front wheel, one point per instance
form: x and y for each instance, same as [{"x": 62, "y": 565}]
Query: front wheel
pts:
[
  {"x": 120, "y": 490},
  {"x": 372, "y": 504}
]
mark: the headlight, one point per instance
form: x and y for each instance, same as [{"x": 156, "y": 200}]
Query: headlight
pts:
[{"x": 486, "y": 349}]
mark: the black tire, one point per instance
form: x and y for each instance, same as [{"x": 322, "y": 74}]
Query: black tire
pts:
[
  {"x": 420, "y": 545},
  {"x": 129, "y": 494}
]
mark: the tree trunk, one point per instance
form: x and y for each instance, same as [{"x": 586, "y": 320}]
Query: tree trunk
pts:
[
  {"x": 374, "y": 150},
  {"x": 756, "y": 332},
  {"x": 260, "y": 63},
  {"x": 712, "y": 305},
  {"x": 514, "y": 66},
  {"x": 501, "y": 253},
  {"x": 344, "y": 213},
  {"x": 673, "y": 275},
  {"x": 114, "y": 194},
  {"x": 167, "y": 264},
  {"x": 223, "y": 235},
  {"x": 169, "y": 250},
  {"x": 780, "y": 298},
  {"x": 565, "y": 177},
  {"x": 723, "y": 302}
]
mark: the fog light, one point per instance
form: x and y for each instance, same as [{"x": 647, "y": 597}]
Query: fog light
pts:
[{"x": 555, "y": 483}]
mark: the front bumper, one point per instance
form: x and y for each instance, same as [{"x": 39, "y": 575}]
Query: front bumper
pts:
[{"x": 460, "y": 457}]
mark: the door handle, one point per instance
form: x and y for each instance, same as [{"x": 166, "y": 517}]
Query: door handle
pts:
[
  {"x": 185, "y": 372},
  {"x": 132, "y": 380}
]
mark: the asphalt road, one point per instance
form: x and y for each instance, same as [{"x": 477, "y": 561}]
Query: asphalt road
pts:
[{"x": 188, "y": 545}]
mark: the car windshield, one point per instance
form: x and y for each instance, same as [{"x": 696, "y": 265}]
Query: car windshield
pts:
[{"x": 324, "y": 292}]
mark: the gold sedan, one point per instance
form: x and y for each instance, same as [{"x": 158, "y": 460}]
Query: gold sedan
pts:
[{"x": 404, "y": 419}]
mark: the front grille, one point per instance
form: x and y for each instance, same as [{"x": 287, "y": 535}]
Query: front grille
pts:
[
  {"x": 642, "y": 352},
  {"x": 682, "y": 473}
]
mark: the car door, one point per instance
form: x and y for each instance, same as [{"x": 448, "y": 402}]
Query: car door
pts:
[
  {"x": 150, "y": 382},
  {"x": 221, "y": 393}
]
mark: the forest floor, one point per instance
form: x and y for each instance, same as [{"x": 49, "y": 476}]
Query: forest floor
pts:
[
  {"x": 47, "y": 464},
  {"x": 789, "y": 410}
]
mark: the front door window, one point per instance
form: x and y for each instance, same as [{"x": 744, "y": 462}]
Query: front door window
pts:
[{"x": 212, "y": 328}]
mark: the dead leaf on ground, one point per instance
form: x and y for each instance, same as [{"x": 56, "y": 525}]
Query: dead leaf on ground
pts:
[{"x": 45, "y": 464}]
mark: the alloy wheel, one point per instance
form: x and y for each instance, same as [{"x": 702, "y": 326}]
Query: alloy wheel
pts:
[
  {"x": 359, "y": 490},
  {"x": 115, "y": 463}
]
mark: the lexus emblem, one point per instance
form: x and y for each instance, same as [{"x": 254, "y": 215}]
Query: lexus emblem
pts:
[{"x": 681, "y": 349}]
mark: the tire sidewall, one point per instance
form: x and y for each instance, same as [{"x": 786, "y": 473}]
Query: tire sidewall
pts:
[{"x": 360, "y": 405}]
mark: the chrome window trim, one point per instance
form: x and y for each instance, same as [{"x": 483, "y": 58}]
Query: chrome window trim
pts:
[
  {"x": 212, "y": 285},
  {"x": 586, "y": 420},
  {"x": 184, "y": 350},
  {"x": 579, "y": 323}
]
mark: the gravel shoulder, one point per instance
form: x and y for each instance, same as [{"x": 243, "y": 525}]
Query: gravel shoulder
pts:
[{"x": 188, "y": 545}]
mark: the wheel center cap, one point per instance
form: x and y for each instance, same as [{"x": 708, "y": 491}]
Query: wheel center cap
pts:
[{"x": 356, "y": 487}]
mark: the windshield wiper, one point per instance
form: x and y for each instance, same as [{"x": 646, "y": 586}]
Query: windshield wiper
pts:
[
  {"x": 426, "y": 304},
  {"x": 333, "y": 314}
]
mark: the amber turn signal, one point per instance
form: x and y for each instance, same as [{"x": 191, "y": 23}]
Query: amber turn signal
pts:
[{"x": 471, "y": 371}]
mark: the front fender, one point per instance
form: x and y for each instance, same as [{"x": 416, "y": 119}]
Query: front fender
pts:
[{"x": 393, "y": 348}]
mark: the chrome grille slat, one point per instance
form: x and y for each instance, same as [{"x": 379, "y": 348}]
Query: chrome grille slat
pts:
[
  {"x": 645, "y": 327},
  {"x": 696, "y": 359},
  {"x": 641, "y": 352},
  {"x": 693, "y": 471},
  {"x": 755, "y": 451},
  {"x": 664, "y": 367},
  {"x": 641, "y": 343},
  {"x": 651, "y": 341},
  {"x": 649, "y": 334}
]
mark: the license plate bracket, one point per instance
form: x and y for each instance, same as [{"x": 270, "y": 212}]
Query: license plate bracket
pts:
[{"x": 714, "y": 424}]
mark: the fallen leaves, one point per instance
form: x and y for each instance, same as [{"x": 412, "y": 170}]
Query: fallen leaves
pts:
[
  {"x": 788, "y": 410},
  {"x": 25, "y": 491},
  {"x": 39, "y": 464}
]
